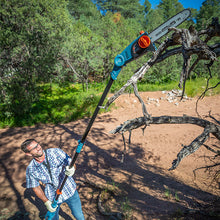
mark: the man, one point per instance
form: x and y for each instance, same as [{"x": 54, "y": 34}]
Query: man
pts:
[{"x": 49, "y": 167}]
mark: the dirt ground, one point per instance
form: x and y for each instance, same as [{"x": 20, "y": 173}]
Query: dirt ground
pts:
[{"x": 150, "y": 190}]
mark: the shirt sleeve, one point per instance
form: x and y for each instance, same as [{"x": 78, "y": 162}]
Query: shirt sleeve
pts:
[{"x": 31, "y": 181}]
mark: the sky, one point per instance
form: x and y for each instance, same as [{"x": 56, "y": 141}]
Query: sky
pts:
[{"x": 186, "y": 3}]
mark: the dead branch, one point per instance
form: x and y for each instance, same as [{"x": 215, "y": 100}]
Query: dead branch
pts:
[
  {"x": 145, "y": 113},
  {"x": 107, "y": 190},
  {"x": 208, "y": 126},
  {"x": 212, "y": 150},
  {"x": 194, "y": 146},
  {"x": 217, "y": 121},
  {"x": 190, "y": 44},
  {"x": 141, "y": 121},
  {"x": 212, "y": 30}
]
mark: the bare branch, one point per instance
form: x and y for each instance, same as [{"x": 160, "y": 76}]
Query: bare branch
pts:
[
  {"x": 133, "y": 80},
  {"x": 187, "y": 43},
  {"x": 142, "y": 121},
  {"x": 212, "y": 150},
  {"x": 205, "y": 167},
  {"x": 217, "y": 121},
  {"x": 209, "y": 127},
  {"x": 190, "y": 44},
  {"x": 70, "y": 65},
  {"x": 144, "y": 109},
  {"x": 212, "y": 30},
  {"x": 194, "y": 146}
]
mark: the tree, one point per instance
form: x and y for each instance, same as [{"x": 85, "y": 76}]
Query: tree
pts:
[
  {"x": 32, "y": 34},
  {"x": 83, "y": 53},
  {"x": 83, "y": 8},
  {"x": 186, "y": 42},
  {"x": 170, "y": 8},
  {"x": 127, "y": 8},
  {"x": 209, "y": 9}
]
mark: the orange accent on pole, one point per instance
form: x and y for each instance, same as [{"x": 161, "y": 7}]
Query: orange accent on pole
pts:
[
  {"x": 144, "y": 41},
  {"x": 58, "y": 192},
  {"x": 141, "y": 32}
]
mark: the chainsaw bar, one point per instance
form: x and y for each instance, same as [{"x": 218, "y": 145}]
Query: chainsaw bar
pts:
[{"x": 172, "y": 22}]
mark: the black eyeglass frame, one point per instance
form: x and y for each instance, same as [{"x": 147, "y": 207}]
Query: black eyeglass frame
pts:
[{"x": 34, "y": 147}]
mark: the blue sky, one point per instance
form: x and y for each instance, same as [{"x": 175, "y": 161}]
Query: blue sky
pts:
[{"x": 186, "y": 3}]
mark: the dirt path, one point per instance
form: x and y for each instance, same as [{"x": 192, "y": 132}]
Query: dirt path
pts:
[{"x": 151, "y": 191}]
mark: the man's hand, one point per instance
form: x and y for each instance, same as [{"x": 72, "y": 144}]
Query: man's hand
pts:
[
  {"x": 70, "y": 171},
  {"x": 48, "y": 204}
]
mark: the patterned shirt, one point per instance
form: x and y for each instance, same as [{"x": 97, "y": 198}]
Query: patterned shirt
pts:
[{"x": 36, "y": 172}]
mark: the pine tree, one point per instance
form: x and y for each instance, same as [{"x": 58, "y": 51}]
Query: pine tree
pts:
[
  {"x": 170, "y": 8},
  {"x": 209, "y": 9},
  {"x": 32, "y": 34},
  {"x": 127, "y": 8}
]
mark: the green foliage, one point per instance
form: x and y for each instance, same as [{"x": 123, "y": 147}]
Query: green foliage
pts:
[
  {"x": 127, "y": 8},
  {"x": 169, "y": 8},
  {"x": 209, "y": 9},
  {"x": 167, "y": 193},
  {"x": 64, "y": 104},
  {"x": 197, "y": 87},
  {"x": 194, "y": 87},
  {"x": 153, "y": 19},
  {"x": 164, "y": 73},
  {"x": 143, "y": 86},
  {"x": 83, "y": 52},
  {"x": 126, "y": 208},
  {"x": 32, "y": 33},
  {"x": 57, "y": 104},
  {"x": 82, "y": 9},
  {"x": 177, "y": 197},
  {"x": 66, "y": 42}
]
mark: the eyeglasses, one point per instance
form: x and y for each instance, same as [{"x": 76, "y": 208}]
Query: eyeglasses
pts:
[{"x": 34, "y": 147}]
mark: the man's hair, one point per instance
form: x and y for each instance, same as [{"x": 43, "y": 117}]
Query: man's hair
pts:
[{"x": 25, "y": 144}]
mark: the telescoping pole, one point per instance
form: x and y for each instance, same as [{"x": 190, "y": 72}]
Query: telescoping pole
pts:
[
  {"x": 137, "y": 48},
  {"x": 82, "y": 141}
]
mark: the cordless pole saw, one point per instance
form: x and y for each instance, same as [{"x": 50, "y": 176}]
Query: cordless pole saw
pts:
[{"x": 140, "y": 46}]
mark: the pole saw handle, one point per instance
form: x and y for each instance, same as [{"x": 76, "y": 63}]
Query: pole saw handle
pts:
[{"x": 50, "y": 215}]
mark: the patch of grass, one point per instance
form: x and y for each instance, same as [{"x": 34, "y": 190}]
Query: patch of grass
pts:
[
  {"x": 177, "y": 197},
  {"x": 157, "y": 87},
  {"x": 66, "y": 104},
  {"x": 168, "y": 194},
  {"x": 59, "y": 105},
  {"x": 193, "y": 87},
  {"x": 197, "y": 87},
  {"x": 126, "y": 208}
]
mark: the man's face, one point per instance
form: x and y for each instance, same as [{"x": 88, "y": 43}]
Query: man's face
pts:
[{"x": 35, "y": 150}]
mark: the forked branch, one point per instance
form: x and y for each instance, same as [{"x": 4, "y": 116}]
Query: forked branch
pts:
[
  {"x": 188, "y": 43},
  {"x": 209, "y": 128}
]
